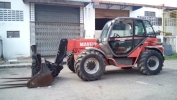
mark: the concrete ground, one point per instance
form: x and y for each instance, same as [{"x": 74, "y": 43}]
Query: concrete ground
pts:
[{"x": 115, "y": 84}]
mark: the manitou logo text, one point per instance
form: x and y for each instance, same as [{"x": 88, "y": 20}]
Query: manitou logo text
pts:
[{"x": 87, "y": 44}]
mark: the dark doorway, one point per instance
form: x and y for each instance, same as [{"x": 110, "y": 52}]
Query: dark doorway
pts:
[{"x": 100, "y": 22}]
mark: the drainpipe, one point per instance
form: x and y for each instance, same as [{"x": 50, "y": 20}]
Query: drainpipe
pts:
[{"x": 2, "y": 49}]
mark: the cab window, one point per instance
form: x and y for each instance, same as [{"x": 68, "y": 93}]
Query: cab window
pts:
[
  {"x": 105, "y": 31},
  {"x": 149, "y": 29},
  {"x": 122, "y": 29},
  {"x": 139, "y": 28}
]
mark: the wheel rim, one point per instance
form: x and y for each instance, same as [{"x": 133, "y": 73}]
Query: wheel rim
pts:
[
  {"x": 153, "y": 63},
  {"x": 91, "y": 65}
]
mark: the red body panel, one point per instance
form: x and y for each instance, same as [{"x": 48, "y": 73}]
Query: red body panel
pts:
[{"x": 78, "y": 45}]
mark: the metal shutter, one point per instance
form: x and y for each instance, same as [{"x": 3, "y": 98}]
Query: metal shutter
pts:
[{"x": 53, "y": 23}]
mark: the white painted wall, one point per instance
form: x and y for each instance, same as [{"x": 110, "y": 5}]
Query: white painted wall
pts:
[
  {"x": 172, "y": 42},
  {"x": 16, "y": 47},
  {"x": 160, "y": 37},
  {"x": 89, "y": 21},
  {"x": 140, "y": 12}
]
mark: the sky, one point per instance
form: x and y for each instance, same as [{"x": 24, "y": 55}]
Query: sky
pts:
[{"x": 151, "y": 2}]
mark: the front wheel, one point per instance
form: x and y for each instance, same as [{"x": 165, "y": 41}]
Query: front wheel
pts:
[
  {"x": 150, "y": 62},
  {"x": 90, "y": 65}
]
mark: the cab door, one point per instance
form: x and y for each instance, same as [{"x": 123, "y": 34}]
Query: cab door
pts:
[
  {"x": 121, "y": 38},
  {"x": 126, "y": 36}
]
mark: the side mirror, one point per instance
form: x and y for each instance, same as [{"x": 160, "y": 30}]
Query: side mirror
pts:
[
  {"x": 158, "y": 32},
  {"x": 98, "y": 40}
]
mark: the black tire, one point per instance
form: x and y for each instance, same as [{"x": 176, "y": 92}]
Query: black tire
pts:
[
  {"x": 70, "y": 62},
  {"x": 143, "y": 65},
  {"x": 79, "y": 65}
]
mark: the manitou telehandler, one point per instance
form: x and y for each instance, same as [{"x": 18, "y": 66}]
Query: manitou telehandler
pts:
[{"x": 124, "y": 42}]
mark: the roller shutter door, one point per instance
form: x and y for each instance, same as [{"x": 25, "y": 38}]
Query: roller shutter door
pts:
[{"x": 53, "y": 23}]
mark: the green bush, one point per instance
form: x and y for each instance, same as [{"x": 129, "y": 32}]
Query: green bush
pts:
[{"x": 174, "y": 56}]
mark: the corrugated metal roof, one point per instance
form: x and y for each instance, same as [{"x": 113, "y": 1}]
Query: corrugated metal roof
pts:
[
  {"x": 56, "y": 1},
  {"x": 81, "y": 0},
  {"x": 129, "y": 4},
  {"x": 64, "y": 2}
]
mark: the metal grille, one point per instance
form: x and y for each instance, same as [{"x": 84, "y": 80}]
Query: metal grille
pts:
[
  {"x": 32, "y": 12},
  {"x": 170, "y": 23},
  {"x": 52, "y": 24},
  {"x": 81, "y": 15},
  {"x": 32, "y": 24},
  {"x": 157, "y": 21},
  {"x": 170, "y": 29},
  {"x": 11, "y": 15}
]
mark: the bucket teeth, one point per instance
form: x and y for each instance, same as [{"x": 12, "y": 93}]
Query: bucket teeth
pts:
[
  {"x": 18, "y": 78},
  {"x": 43, "y": 78},
  {"x": 24, "y": 84},
  {"x": 12, "y": 86}
]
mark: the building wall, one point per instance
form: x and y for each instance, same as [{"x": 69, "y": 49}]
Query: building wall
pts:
[
  {"x": 170, "y": 22},
  {"x": 20, "y": 47},
  {"x": 16, "y": 47},
  {"x": 140, "y": 12},
  {"x": 89, "y": 21}
]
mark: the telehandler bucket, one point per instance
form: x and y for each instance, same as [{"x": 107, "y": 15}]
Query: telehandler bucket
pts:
[
  {"x": 42, "y": 78},
  {"x": 43, "y": 71}
]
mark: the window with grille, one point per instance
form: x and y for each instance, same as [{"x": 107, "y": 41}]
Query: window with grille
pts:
[
  {"x": 5, "y": 5},
  {"x": 157, "y": 21},
  {"x": 11, "y": 15},
  {"x": 13, "y": 34},
  {"x": 149, "y": 13}
]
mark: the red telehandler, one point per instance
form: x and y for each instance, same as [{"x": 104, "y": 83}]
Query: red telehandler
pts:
[{"x": 124, "y": 42}]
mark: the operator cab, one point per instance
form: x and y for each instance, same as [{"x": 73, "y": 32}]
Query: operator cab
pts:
[{"x": 122, "y": 36}]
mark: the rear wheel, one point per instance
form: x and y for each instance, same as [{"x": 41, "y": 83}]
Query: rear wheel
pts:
[
  {"x": 150, "y": 62},
  {"x": 70, "y": 62},
  {"x": 90, "y": 65}
]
